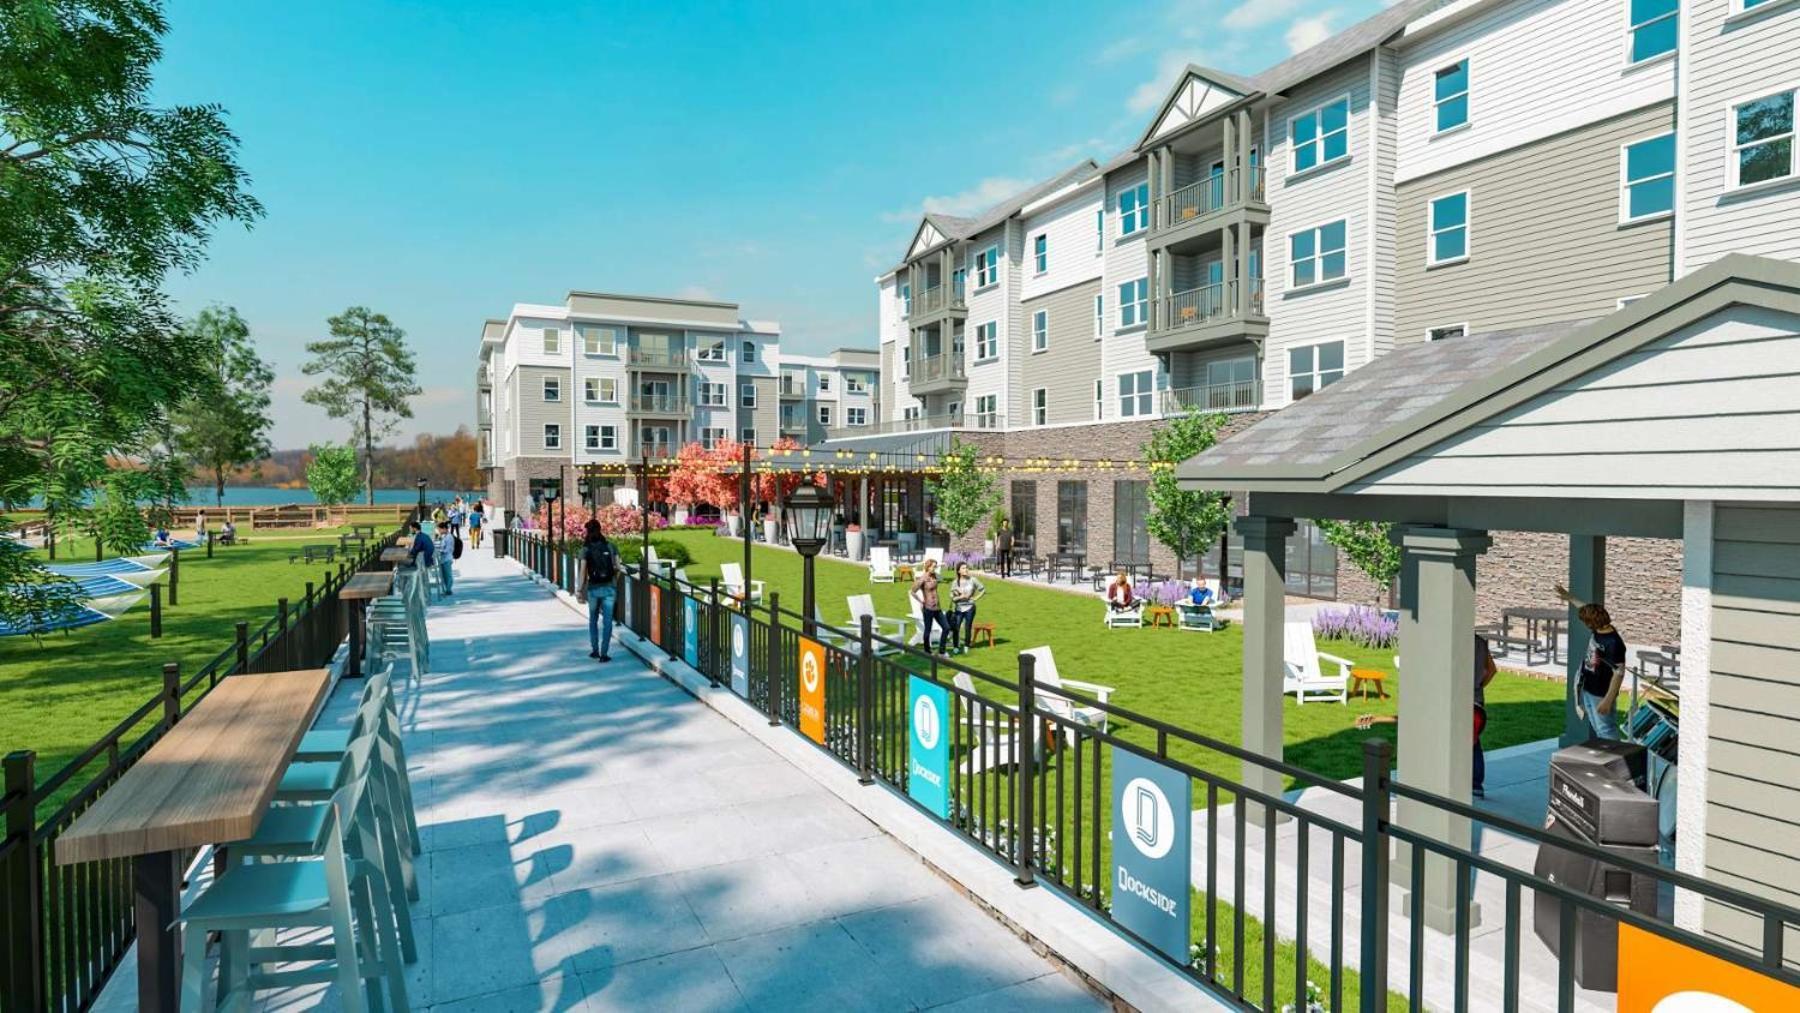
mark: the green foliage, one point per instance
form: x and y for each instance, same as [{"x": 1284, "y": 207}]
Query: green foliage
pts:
[
  {"x": 368, "y": 374},
  {"x": 1183, "y": 520},
  {"x": 668, "y": 550},
  {"x": 963, "y": 492},
  {"x": 228, "y": 427},
  {"x": 115, "y": 519},
  {"x": 29, "y": 594},
  {"x": 332, "y": 475},
  {"x": 1369, "y": 545}
]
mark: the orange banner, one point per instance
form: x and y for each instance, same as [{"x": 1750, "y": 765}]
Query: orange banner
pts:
[
  {"x": 1661, "y": 975},
  {"x": 812, "y": 690},
  {"x": 656, "y": 615}
]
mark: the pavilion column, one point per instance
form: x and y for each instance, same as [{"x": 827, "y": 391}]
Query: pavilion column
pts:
[
  {"x": 1587, "y": 581},
  {"x": 1265, "y": 610},
  {"x": 1437, "y": 700}
]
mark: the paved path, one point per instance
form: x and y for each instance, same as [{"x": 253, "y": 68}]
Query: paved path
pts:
[{"x": 597, "y": 839}]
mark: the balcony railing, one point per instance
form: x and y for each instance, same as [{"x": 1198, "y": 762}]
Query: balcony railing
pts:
[
  {"x": 793, "y": 423},
  {"x": 660, "y": 404},
  {"x": 942, "y": 420},
  {"x": 1208, "y": 304},
  {"x": 937, "y": 298},
  {"x": 793, "y": 388},
  {"x": 1211, "y": 194},
  {"x": 657, "y": 358},
  {"x": 938, "y": 367},
  {"x": 1235, "y": 396},
  {"x": 655, "y": 450}
]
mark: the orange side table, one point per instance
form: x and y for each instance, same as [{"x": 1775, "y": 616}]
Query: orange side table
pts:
[{"x": 1367, "y": 677}]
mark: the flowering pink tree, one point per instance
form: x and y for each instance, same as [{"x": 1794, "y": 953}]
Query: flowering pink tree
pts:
[{"x": 704, "y": 476}]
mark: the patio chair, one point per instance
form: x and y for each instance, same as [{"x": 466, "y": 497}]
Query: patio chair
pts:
[
  {"x": 1057, "y": 705},
  {"x": 864, "y": 605},
  {"x": 732, "y": 576},
  {"x": 1304, "y": 678},
  {"x": 1130, "y": 618},
  {"x": 1197, "y": 617},
  {"x": 937, "y": 555},
  {"x": 881, "y": 565},
  {"x": 993, "y": 733}
]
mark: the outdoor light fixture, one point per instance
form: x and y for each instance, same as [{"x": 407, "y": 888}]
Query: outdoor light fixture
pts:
[
  {"x": 809, "y": 519},
  {"x": 421, "y": 499}
]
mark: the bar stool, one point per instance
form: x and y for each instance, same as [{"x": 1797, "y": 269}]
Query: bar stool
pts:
[{"x": 375, "y": 711}]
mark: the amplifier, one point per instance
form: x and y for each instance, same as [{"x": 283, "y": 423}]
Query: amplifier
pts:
[
  {"x": 1625, "y": 761},
  {"x": 1602, "y": 809},
  {"x": 1596, "y": 956}
]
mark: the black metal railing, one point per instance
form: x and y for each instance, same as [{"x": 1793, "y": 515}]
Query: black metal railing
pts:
[
  {"x": 64, "y": 928},
  {"x": 1033, "y": 795}
]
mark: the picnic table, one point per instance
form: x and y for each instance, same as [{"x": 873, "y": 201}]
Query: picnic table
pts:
[
  {"x": 355, "y": 594},
  {"x": 314, "y": 553},
  {"x": 208, "y": 780},
  {"x": 365, "y": 530},
  {"x": 1071, "y": 561},
  {"x": 347, "y": 537},
  {"x": 1543, "y": 625}
]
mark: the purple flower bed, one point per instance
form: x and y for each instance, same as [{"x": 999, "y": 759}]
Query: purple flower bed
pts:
[
  {"x": 1162, "y": 592},
  {"x": 1359, "y": 624}
]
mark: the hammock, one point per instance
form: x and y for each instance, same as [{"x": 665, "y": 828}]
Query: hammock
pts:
[
  {"x": 174, "y": 543},
  {"x": 66, "y": 619},
  {"x": 128, "y": 570}
]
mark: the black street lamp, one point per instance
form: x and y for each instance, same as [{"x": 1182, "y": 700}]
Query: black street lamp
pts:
[
  {"x": 809, "y": 526},
  {"x": 421, "y": 501}
]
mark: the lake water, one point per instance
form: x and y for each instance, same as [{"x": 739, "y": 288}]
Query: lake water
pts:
[{"x": 264, "y": 495}]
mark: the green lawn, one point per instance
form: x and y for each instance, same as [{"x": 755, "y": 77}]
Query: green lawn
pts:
[{"x": 60, "y": 693}]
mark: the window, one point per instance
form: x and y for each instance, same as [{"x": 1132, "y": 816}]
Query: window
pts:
[
  {"x": 856, "y": 383},
  {"x": 1449, "y": 242},
  {"x": 906, "y": 300},
  {"x": 1655, "y": 28},
  {"x": 1648, "y": 168},
  {"x": 987, "y": 267},
  {"x": 1762, "y": 140},
  {"x": 905, "y": 363},
  {"x": 910, "y": 412},
  {"x": 600, "y": 340},
  {"x": 1040, "y": 330},
  {"x": 712, "y": 436},
  {"x": 824, "y": 383},
  {"x": 1040, "y": 406},
  {"x": 592, "y": 437},
  {"x": 825, "y": 415},
  {"x": 552, "y": 388},
  {"x": 856, "y": 416},
  {"x": 1040, "y": 253},
  {"x": 1451, "y": 95},
  {"x": 1444, "y": 333},
  {"x": 1099, "y": 316},
  {"x": 747, "y": 395},
  {"x": 712, "y": 395},
  {"x": 711, "y": 350},
  {"x": 1134, "y": 393},
  {"x": 748, "y": 436},
  {"x": 1134, "y": 209},
  {"x": 600, "y": 390},
  {"x": 1099, "y": 400},
  {"x": 987, "y": 341},
  {"x": 552, "y": 341},
  {"x": 1320, "y": 136},
  {"x": 749, "y": 351},
  {"x": 1100, "y": 231},
  {"x": 1131, "y": 510},
  {"x": 1071, "y": 516},
  {"x": 987, "y": 412},
  {"x": 1231, "y": 383},
  {"x": 1316, "y": 256},
  {"x": 1134, "y": 303},
  {"x": 552, "y": 436},
  {"x": 1311, "y": 367},
  {"x": 1023, "y": 501}
]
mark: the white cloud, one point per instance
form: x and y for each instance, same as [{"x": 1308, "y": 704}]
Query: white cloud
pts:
[
  {"x": 1064, "y": 156},
  {"x": 1305, "y": 33},
  {"x": 981, "y": 196},
  {"x": 697, "y": 292},
  {"x": 1122, "y": 49},
  {"x": 1151, "y": 93},
  {"x": 1257, "y": 13}
]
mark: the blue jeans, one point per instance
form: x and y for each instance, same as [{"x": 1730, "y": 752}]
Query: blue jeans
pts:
[
  {"x": 600, "y": 609},
  {"x": 934, "y": 618},
  {"x": 1605, "y": 726},
  {"x": 444, "y": 573},
  {"x": 962, "y": 627}
]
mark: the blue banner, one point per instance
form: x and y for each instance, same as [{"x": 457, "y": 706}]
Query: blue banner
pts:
[
  {"x": 740, "y": 655},
  {"x": 928, "y": 745},
  {"x": 690, "y": 630},
  {"x": 1152, "y": 841}
]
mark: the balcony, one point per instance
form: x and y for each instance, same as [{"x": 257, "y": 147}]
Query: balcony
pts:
[
  {"x": 1236, "y": 396},
  {"x": 942, "y": 420},
  {"x": 661, "y": 359},
  {"x": 655, "y": 450},
  {"x": 661, "y": 404},
  {"x": 1194, "y": 211},
  {"x": 1207, "y": 317},
  {"x": 938, "y": 374},
  {"x": 793, "y": 386},
  {"x": 792, "y": 423},
  {"x": 939, "y": 300}
]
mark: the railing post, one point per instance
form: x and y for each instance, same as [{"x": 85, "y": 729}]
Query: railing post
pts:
[
  {"x": 1378, "y": 756},
  {"x": 209, "y": 541},
  {"x": 243, "y": 646},
  {"x": 171, "y": 693},
  {"x": 865, "y": 702},
  {"x": 155, "y": 611},
  {"x": 174, "y": 576},
  {"x": 710, "y": 656},
  {"x": 1025, "y": 825},
  {"x": 774, "y": 656},
  {"x": 281, "y": 628},
  {"x": 23, "y": 962}
]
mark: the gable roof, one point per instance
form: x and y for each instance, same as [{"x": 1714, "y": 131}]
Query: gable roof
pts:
[
  {"x": 953, "y": 228},
  {"x": 1199, "y": 94},
  {"x": 1423, "y": 394}
]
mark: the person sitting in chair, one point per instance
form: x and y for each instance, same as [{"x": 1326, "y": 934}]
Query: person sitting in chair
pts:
[
  {"x": 1200, "y": 594},
  {"x": 162, "y": 538},
  {"x": 1118, "y": 593},
  {"x": 228, "y": 534}
]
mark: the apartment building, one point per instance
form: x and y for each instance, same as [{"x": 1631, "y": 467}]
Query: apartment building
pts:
[
  {"x": 1441, "y": 170},
  {"x": 603, "y": 378},
  {"x": 824, "y": 395}
]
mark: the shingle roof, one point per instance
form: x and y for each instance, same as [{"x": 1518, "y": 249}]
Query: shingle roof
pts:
[
  {"x": 1347, "y": 44},
  {"x": 1393, "y": 388},
  {"x": 954, "y": 227}
]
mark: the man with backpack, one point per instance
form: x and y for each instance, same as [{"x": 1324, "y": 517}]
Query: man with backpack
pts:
[
  {"x": 448, "y": 547},
  {"x": 600, "y": 567}
]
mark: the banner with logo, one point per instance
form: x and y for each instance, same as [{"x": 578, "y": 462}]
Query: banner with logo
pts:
[
  {"x": 1152, "y": 844},
  {"x": 812, "y": 690},
  {"x": 629, "y": 593},
  {"x": 740, "y": 654},
  {"x": 1656, "y": 973},
  {"x": 690, "y": 630},
  {"x": 928, "y": 745},
  {"x": 656, "y": 615}
]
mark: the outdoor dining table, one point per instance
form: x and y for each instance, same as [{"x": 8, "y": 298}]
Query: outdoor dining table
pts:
[
  {"x": 208, "y": 780},
  {"x": 1551, "y": 620},
  {"x": 355, "y": 594},
  {"x": 1070, "y": 561},
  {"x": 394, "y": 555}
]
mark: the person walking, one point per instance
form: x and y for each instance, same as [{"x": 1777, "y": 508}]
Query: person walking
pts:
[
  {"x": 1003, "y": 545},
  {"x": 1602, "y": 670},
  {"x": 600, "y": 568},
  {"x": 925, "y": 593},
  {"x": 456, "y": 516},
  {"x": 965, "y": 590},
  {"x": 446, "y": 544},
  {"x": 475, "y": 520}
]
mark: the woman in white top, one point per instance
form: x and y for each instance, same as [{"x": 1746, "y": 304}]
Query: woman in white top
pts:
[{"x": 965, "y": 590}]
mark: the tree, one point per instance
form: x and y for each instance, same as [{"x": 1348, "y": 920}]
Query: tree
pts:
[
  {"x": 964, "y": 493},
  {"x": 705, "y": 475},
  {"x": 228, "y": 427},
  {"x": 1184, "y": 520},
  {"x": 332, "y": 474},
  {"x": 368, "y": 379},
  {"x": 1370, "y": 547}
]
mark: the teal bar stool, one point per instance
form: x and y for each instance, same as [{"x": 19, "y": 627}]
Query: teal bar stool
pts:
[
  {"x": 317, "y": 771},
  {"x": 337, "y": 891}
]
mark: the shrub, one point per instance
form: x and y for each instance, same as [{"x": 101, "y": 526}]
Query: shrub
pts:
[
  {"x": 1358, "y": 624},
  {"x": 667, "y": 550},
  {"x": 620, "y": 521}
]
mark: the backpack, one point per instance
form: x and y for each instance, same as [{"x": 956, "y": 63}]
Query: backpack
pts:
[
  {"x": 602, "y": 562},
  {"x": 455, "y": 545}
]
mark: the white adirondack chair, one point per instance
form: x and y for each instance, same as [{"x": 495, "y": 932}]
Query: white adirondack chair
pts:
[
  {"x": 1304, "y": 675},
  {"x": 657, "y": 567},
  {"x": 1054, "y": 703},
  {"x": 881, "y": 564},
  {"x": 884, "y": 626},
  {"x": 732, "y": 576},
  {"x": 937, "y": 555},
  {"x": 993, "y": 734}
]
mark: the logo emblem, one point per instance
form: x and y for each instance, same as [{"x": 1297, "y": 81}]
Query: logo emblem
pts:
[
  {"x": 737, "y": 641},
  {"x": 809, "y": 670},
  {"x": 925, "y": 722},
  {"x": 1149, "y": 819}
]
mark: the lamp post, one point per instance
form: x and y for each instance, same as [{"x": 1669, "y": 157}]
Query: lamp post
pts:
[
  {"x": 421, "y": 501},
  {"x": 809, "y": 525}
]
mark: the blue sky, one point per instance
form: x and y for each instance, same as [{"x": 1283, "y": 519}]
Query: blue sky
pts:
[{"x": 440, "y": 161}]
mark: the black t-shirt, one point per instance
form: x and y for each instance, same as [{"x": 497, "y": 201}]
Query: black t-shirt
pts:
[{"x": 1605, "y": 655}]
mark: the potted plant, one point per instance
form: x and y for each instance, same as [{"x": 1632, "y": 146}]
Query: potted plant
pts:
[
  {"x": 771, "y": 528},
  {"x": 909, "y": 535},
  {"x": 733, "y": 523},
  {"x": 853, "y": 541}
]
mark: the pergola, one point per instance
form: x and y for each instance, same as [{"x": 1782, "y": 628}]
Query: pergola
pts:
[{"x": 1675, "y": 417}]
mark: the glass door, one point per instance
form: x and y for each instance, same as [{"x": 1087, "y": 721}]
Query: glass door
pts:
[
  {"x": 1071, "y": 517},
  {"x": 1131, "y": 532}
]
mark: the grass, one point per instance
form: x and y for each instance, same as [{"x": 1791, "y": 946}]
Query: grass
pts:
[{"x": 61, "y": 693}]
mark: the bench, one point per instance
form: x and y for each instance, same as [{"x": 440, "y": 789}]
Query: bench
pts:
[
  {"x": 1503, "y": 644},
  {"x": 314, "y": 553}
]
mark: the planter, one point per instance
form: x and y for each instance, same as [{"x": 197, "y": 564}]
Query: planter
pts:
[
  {"x": 853, "y": 543},
  {"x": 987, "y": 549},
  {"x": 770, "y": 530},
  {"x": 909, "y": 541},
  {"x": 733, "y": 524}
]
